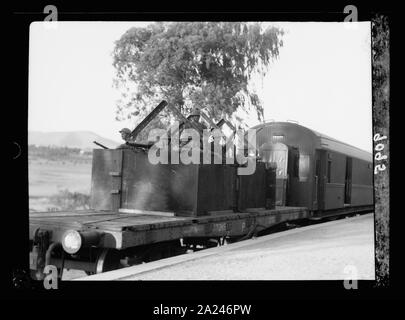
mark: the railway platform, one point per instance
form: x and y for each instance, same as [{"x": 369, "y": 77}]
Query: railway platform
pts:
[{"x": 325, "y": 251}]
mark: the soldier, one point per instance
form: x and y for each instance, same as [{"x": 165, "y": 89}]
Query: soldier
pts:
[{"x": 126, "y": 136}]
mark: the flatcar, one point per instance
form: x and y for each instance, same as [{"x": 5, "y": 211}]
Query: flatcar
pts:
[
  {"x": 315, "y": 171},
  {"x": 142, "y": 212}
]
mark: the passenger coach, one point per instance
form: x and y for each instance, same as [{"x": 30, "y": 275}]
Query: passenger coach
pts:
[{"x": 316, "y": 171}]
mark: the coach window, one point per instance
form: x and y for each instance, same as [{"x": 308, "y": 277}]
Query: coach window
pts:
[
  {"x": 318, "y": 167},
  {"x": 303, "y": 167},
  {"x": 329, "y": 170},
  {"x": 296, "y": 165}
]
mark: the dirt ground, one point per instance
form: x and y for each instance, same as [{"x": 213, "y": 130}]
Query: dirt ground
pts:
[{"x": 47, "y": 178}]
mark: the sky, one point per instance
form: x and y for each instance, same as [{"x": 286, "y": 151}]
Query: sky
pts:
[{"x": 322, "y": 79}]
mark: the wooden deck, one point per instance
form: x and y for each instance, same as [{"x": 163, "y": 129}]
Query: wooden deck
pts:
[{"x": 127, "y": 229}]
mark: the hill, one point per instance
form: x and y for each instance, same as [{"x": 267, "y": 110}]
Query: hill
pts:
[{"x": 73, "y": 139}]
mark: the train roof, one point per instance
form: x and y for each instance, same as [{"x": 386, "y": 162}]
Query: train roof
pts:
[{"x": 326, "y": 142}]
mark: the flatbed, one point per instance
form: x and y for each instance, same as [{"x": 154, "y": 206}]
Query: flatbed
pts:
[{"x": 121, "y": 230}]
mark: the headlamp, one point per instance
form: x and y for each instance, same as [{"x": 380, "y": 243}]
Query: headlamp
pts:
[{"x": 71, "y": 241}]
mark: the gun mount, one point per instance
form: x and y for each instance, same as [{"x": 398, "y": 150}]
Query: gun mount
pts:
[{"x": 123, "y": 179}]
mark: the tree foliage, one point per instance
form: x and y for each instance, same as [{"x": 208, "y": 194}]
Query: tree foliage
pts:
[{"x": 204, "y": 64}]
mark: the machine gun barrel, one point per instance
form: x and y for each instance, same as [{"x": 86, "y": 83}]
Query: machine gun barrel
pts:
[
  {"x": 208, "y": 119},
  {"x": 222, "y": 121},
  {"x": 140, "y": 145},
  {"x": 100, "y": 145},
  {"x": 148, "y": 119}
]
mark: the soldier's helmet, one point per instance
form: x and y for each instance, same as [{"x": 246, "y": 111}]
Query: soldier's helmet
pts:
[
  {"x": 195, "y": 112},
  {"x": 125, "y": 130}
]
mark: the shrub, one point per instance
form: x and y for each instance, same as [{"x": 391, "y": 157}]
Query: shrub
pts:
[{"x": 67, "y": 200}]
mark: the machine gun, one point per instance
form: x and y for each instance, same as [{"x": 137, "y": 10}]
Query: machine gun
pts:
[
  {"x": 183, "y": 120},
  {"x": 100, "y": 145},
  {"x": 140, "y": 145},
  {"x": 147, "y": 119},
  {"x": 223, "y": 121}
]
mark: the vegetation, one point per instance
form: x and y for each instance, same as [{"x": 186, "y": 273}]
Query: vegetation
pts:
[
  {"x": 204, "y": 64},
  {"x": 52, "y": 169},
  {"x": 58, "y": 153},
  {"x": 66, "y": 200}
]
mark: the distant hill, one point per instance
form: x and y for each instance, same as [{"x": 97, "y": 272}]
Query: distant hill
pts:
[{"x": 73, "y": 139}]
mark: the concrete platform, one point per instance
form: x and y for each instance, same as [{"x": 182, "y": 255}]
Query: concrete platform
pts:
[{"x": 325, "y": 251}]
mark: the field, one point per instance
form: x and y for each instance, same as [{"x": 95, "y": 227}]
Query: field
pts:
[{"x": 58, "y": 183}]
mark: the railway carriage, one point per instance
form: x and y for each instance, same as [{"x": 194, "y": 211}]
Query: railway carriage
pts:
[{"x": 316, "y": 171}]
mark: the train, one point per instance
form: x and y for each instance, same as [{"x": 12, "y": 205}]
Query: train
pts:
[
  {"x": 142, "y": 212},
  {"x": 316, "y": 171}
]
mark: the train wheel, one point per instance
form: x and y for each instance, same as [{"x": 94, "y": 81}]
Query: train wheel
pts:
[{"x": 108, "y": 259}]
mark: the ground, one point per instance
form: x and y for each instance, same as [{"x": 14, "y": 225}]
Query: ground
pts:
[
  {"x": 48, "y": 177},
  {"x": 330, "y": 251}
]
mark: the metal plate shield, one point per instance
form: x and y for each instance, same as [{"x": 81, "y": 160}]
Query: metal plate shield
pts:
[{"x": 106, "y": 179}]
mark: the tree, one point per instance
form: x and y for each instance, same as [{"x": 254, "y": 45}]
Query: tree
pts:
[{"x": 204, "y": 64}]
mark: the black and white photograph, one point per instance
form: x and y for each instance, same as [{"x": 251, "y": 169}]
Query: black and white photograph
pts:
[{"x": 163, "y": 150}]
